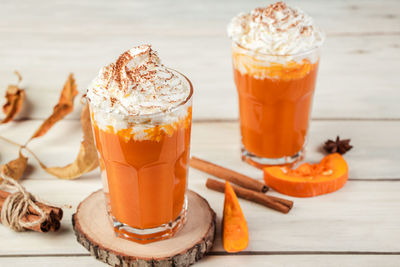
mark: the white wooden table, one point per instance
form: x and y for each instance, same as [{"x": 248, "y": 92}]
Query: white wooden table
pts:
[{"x": 357, "y": 96}]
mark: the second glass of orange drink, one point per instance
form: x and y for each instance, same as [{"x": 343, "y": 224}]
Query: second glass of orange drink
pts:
[
  {"x": 141, "y": 115},
  {"x": 275, "y": 53}
]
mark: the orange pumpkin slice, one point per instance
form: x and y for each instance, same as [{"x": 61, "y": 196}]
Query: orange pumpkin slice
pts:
[
  {"x": 235, "y": 234},
  {"x": 309, "y": 180}
]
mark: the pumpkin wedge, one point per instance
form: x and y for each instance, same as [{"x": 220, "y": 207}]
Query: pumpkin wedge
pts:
[
  {"x": 235, "y": 235},
  {"x": 309, "y": 180}
]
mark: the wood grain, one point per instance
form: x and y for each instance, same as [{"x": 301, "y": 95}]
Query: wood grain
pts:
[
  {"x": 374, "y": 156},
  {"x": 267, "y": 260},
  {"x": 361, "y": 209},
  {"x": 357, "y": 80},
  {"x": 359, "y": 217},
  {"x": 94, "y": 231},
  {"x": 357, "y": 77}
]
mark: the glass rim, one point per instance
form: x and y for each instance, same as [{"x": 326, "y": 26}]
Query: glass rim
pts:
[
  {"x": 276, "y": 55},
  {"x": 166, "y": 112}
]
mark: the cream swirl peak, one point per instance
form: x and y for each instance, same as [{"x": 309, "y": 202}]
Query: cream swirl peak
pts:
[
  {"x": 275, "y": 30},
  {"x": 137, "y": 84}
]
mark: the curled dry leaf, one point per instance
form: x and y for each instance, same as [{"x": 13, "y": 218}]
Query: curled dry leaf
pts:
[
  {"x": 19, "y": 76},
  {"x": 87, "y": 156},
  {"x": 15, "y": 168},
  {"x": 64, "y": 107},
  {"x": 15, "y": 98}
]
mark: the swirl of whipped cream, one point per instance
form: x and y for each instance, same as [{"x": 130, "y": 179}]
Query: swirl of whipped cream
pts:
[
  {"x": 137, "y": 84},
  {"x": 275, "y": 30}
]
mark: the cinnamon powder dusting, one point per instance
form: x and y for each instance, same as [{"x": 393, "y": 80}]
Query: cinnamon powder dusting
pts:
[
  {"x": 137, "y": 83},
  {"x": 277, "y": 29}
]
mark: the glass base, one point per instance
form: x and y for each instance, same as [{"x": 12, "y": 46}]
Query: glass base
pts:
[
  {"x": 144, "y": 236},
  {"x": 261, "y": 162}
]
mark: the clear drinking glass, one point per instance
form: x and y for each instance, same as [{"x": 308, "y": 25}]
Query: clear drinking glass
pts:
[
  {"x": 144, "y": 167},
  {"x": 275, "y": 98}
]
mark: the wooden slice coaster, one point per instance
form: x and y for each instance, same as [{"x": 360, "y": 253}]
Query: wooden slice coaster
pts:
[{"x": 94, "y": 231}]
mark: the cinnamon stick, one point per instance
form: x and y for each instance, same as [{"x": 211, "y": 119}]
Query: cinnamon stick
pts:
[
  {"x": 54, "y": 223},
  {"x": 58, "y": 212},
  {"x": 54, "y": 215},
  {"x": 276, "y": 203},
  {"x": 43, "y": 227},
  {"x": 283, "y": 201},
  {"x": 227, "y": 174}
]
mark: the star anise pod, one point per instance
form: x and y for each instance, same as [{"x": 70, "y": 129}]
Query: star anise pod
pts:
[{"x": 337, "y": 146}]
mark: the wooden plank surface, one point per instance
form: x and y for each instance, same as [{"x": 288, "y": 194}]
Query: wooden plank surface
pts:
[
  {"x": 361, "y": 217},
  {"x": 262, "y": 260},
  {"x": 375, "y": 154},
  {"x": 356, "y": 97},
  {"x": 357, "y": 76}
]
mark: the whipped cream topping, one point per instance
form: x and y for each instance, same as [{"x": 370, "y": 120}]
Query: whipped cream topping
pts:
[
  {"x": 275, "y": 30},
  {"x": 137, "y": 93},
  {"x": 137, "y": 84}
]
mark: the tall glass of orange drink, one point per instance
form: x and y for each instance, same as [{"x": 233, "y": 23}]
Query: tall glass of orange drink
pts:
[
  {"x": 141, "y": 115},
  {"x": 275, "y": 53}
]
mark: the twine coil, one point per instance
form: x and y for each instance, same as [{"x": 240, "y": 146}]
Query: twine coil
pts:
[{"x": 16, "y": 205}]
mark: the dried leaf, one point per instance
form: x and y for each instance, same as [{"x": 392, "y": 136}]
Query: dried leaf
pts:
[
  {"x": 15, "y": 99},
  {"x": 86, "y": 160},
  {"x": 19, "y": 76},
  {"x": 16, "y": 167},
  {"x": 64, "y": 107}
]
